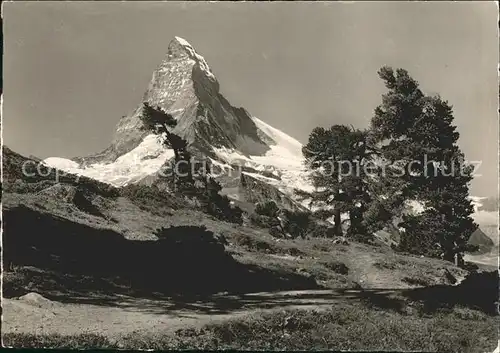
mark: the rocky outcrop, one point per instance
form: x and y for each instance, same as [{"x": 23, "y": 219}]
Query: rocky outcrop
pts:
[{"x": 480, "y": 239}]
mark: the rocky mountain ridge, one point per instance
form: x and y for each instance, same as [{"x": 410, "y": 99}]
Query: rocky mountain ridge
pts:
[{"x": 184, "y": 86}]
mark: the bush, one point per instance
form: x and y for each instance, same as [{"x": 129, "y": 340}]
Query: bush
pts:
[
  {"x": 253, "y": 244},
  {"x": 156, "y": 201},
  {"x": 221, "y": 208},
  {"x": 192, "y": 236},
  {"x": 320, "y": 230},
  {"x": 337, "y": 267},
  {"x": 276, "y": 232},
  {"x": 281, "y": 221},
  {"x": 263, "y": 221},
  {"x": 195, "y": 255},
  {"x": 384, "y": 264},
  {"x": 417, "y": 281},
  {"x": 215, "y": 204},
  {"x": 151, "y": 198},
  {"x": 80, "y": 341},
  {"x": 470, "y": 266},
  {"x": 366, "y": 238},
  {"x": 296, "y": 223},
  {"x": 294, "y": 252},
  {"x": 267, "y": 208}
]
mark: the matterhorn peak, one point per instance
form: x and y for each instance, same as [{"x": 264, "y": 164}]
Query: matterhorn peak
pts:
[
  {"x": 184, "y": 86},
  {"x": 182, "y": 49},
  {"x": 182, "y": 41},
  {"x": 181, "y": 77}
]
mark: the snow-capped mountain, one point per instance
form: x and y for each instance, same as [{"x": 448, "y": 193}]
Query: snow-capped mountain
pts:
[{"x": 184, "y": 86}]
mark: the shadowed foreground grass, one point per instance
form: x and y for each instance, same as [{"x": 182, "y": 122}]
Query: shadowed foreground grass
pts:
[{"x": 346, "y": 327}]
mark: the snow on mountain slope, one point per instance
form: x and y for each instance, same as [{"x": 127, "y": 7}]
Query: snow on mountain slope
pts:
[
  {"x": 142, "y": 161},
  {"x": 282, "y": 140},
  {"x": 283, "y": 159}
]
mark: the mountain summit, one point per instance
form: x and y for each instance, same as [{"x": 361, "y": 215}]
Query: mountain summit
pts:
[{"x": 185, "y": 86}]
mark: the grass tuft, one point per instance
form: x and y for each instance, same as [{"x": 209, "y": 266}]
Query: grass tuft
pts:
[{"x": 346, "y": 327}]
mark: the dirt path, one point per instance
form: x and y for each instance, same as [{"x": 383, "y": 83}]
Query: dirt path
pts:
[
  {"x": 368, "y": 275},
  {"x": 36, "y": 314}
]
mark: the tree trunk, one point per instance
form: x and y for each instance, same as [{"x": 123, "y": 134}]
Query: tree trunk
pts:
[
  {"x": 354, "y": 226},
  {"x": 449, "y": 256},
  {"x": 338, "y": 223},
  {"x": 336, "y": 215}
]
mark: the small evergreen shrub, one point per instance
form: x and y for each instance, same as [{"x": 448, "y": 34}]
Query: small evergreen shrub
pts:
[{"x": 267, "y": 208}]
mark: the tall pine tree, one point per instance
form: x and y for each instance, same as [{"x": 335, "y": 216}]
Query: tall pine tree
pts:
[
  {"x": 186, "y": 172},
  {"x": 162, "y": 123},
  {"x": 337, "y": 158},
  {"x": 417, "y": 138}
]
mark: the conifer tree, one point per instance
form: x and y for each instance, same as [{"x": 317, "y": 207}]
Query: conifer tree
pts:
[
  {"x": 187, "y": 172},
  {"x": 416, "y": 136},
  {"x": 337, "y": 158},
  {"x": 162, "y": 123}
]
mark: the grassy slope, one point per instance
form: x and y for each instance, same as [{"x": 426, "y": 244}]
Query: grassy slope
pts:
[
  {"x": 365, "y": 265},
  {"x": 136, "y": 214},
  {"x": 354, "y": 326}
]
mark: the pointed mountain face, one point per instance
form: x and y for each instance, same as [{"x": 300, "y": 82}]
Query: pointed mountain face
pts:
[
  {"x": 172, "y": 87},
  {"x": 184, "y": 86}
]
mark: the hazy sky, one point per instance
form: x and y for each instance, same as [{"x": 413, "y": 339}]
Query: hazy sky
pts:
[{"x": 72, "y": 69}]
